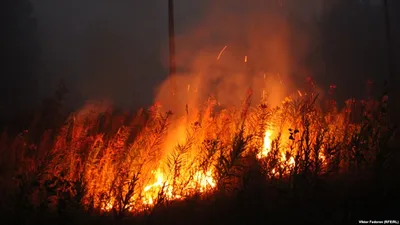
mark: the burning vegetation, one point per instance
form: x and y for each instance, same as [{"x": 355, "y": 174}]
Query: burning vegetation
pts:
[
  {"x": 102, "y": 161},
  {"x": 235, "y": 129},
  {"x": 229, "y": 129}
]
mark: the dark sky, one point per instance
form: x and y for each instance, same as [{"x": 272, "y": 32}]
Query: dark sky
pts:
[
  {"x": 117, "y": 49},
  {"x": 109, "y": 48}
]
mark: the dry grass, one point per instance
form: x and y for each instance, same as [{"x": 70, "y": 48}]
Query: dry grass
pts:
[{"x": 100, "y": 163}]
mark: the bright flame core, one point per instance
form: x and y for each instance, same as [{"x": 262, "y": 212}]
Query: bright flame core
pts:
[
  {"x": 266, "y": 145},
  {"x": 201, "y": 182}
]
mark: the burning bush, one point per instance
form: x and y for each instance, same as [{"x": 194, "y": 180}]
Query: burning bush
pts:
[{"x": 155, "y": 157}]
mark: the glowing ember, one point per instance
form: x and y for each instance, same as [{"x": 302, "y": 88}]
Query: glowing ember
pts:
[{"x": 300, "y": 94}]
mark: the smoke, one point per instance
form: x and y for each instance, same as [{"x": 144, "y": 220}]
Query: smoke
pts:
[
  {"x": 107, "y": 50},
  {"x": 266, "y": 46}
]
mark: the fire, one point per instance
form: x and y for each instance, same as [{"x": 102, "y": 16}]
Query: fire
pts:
[
  {"x": 267, "y": 148},
  {"x": 204, "y": 139},
  {"x": 322, "y": 157},
  {"x": 290, "y": 160},
  {"x": 266, "y": 145},
  {"x": 204, "y": 136},
  {"x": 205, "y": 180},
  {"x": 108, "y": 205},
  {"x": 161, "y": 182},
  {"x": 202, "y": 182},
  {"x": 151, "y": 191},
  {"x": 107, "y": 148}
]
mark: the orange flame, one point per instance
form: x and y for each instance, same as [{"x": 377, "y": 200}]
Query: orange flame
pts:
[
  {"x": 201, "y": 181},
  {"x": 266, "y": 145}
]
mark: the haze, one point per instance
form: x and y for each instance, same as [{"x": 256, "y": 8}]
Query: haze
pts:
[{"x": 118, "y": 49}]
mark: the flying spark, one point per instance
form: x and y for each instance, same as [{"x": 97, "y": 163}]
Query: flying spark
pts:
[{"x": 222, "y": 51}]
